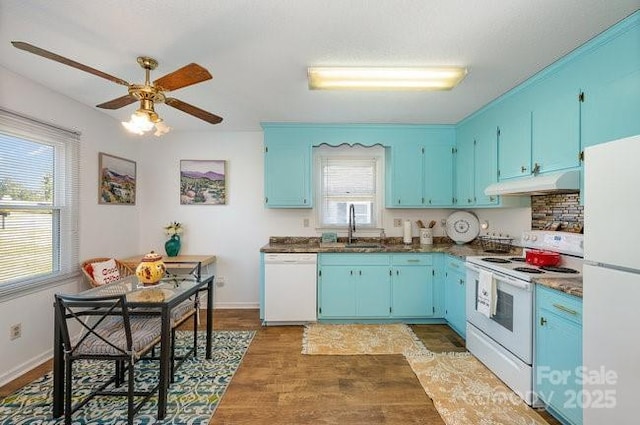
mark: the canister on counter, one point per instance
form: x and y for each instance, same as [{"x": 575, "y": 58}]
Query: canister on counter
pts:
[{"x": 426, "y": 236}]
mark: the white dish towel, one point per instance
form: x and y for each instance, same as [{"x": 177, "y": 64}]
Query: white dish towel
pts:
[{"x": 487, "y": 296}]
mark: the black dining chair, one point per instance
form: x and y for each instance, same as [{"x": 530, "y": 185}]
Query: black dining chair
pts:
[{"x": 108, "y": 332}]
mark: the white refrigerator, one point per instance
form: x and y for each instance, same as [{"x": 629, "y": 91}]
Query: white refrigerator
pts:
[{"x": 611, "y": 283}]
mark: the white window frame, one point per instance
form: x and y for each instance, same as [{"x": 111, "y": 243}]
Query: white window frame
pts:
[
  {"x": 350, "y": 152},
  {"x": 64, "y": 207}
]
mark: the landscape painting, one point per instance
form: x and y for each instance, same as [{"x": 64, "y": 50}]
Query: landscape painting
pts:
[
  {"x": 117, "y": 180},
  {"x": 203, "y": 182}
]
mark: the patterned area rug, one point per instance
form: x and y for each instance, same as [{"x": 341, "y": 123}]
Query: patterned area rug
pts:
[
  {"x": 465, "y": 392},
  {"x": 192, "y": 399},
  {"x": 354, "y": 339},
  {"x": 462, "y": 389}
]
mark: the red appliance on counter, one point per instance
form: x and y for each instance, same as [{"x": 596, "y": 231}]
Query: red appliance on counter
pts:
[{"x": 542, "y": 258}]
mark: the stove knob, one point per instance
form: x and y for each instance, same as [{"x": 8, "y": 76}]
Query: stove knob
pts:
[
  {"x": 525, "y": 236},
  {"x": 534, "y": 238}
]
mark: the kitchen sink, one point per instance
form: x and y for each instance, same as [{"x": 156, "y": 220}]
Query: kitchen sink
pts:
[{"x": 363, "y": 245}]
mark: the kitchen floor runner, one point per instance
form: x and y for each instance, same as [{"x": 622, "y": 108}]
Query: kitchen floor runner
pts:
[
  {"x": 465, "y": 392},
  {"x": 358, "y": 339},
  {"x": 462, "y": 389}
]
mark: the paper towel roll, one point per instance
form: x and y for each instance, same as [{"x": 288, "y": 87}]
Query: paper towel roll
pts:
[{"x": 406, "y": 238}]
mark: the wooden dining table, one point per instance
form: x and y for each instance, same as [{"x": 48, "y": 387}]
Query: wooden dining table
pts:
[{"x": 161, "y": 298}]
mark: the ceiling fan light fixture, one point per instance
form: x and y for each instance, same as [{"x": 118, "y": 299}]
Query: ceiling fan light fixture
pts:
[
  {"x": 140, "y": 122},
  {"x": 145, "y": 119},
  {"x": 161, "y": 128},
  {"x": 384, "y": 78}
]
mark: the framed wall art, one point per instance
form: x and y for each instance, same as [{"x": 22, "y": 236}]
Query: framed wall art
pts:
[
  {"x": 116, "y": 180},
  {"x": 203, "y": 182}
]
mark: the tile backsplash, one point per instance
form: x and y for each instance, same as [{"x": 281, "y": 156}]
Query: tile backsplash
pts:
[{"x": 563, "y": 209}]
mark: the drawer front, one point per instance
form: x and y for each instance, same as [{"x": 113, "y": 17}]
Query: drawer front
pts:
[
  {"x": 454, "y": 264},
  {"x": 412, "y": 260},
  {"x": 355, "y": 259},
  {"x": 559, "y": 303}
]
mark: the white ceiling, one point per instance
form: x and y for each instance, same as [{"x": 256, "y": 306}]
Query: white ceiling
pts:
[{"x": 258, "y": 51}]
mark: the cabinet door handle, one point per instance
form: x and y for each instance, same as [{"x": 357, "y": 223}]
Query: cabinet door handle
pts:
[
  {"x": 413, "y": 260},
  {"x": 523, "y": 169},
  {"x": 397, "y": 272},
  {"x": 543, "y": 321},
  {"x": 360, "y": 272},
  {"x": 565, "y": 309},
  {"x": 461, "y": 281}
]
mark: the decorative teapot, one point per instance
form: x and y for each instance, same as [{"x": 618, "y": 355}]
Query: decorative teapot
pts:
[{"x": 151, "y": 269}]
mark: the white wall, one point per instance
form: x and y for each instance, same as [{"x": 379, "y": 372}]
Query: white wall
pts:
[{"x": 104, "y": 230}]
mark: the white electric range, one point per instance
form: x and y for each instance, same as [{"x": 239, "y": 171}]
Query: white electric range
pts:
[{"x": 503, "y": 340}]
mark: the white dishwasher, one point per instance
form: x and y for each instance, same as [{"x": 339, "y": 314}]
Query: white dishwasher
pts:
[{"x": 289, "y": 288}]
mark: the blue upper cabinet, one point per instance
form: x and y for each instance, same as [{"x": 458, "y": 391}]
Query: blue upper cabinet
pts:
[
  {"x": 486, "y": 164},
  {"x": 420, "y": 171},
  {"x": 438, "y": 175},
  {"x": 404, "y": 175},
  {"x": 555, "y": 124},
  {"x": 465, "y": 165},
  {"x": 477, "y": 163},
  {"x": 514, "y": 139},
  {"x": 611, "y": 107},
  {"x": 287, "y": 175}
]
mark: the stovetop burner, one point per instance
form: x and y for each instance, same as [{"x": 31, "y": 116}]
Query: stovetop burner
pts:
[
  {"x": 528, "y": 270},
  {"x": 496, "y": 260},
  {"x": 517, "y": 259},
  {"x": 559, "y": 269}
]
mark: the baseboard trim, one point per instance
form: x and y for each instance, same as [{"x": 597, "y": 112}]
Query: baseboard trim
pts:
[
  {"x": 234, "y": 305},
  {"x": 24, "y": 367}
]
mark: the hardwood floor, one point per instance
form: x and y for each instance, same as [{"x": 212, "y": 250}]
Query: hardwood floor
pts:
[{"x": 276, "y": 384}]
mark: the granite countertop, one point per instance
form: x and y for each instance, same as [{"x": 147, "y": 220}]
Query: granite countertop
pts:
[
  {"x": 568, "y": 285},
  {"x": 288, "y": 244},
  {"x": 389, "y": 245}
]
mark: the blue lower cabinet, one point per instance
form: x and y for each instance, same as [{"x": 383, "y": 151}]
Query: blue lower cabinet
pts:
[
  {"x": 372, "y": 291},
  {"x": 412, "y": 286},
  {"x": 336, "y": 292},
  {"x": 455, "y": 295},
  {"x": 376, "y": 286},
  {"x": 354, "y": 286},
  {"x": 558, "y": 354}
]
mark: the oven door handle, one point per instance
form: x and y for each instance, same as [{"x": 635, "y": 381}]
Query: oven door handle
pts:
[{"x": 502, "y": 277}]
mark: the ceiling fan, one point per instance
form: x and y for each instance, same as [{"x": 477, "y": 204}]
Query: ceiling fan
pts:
[{"x": 148, "y": 94}]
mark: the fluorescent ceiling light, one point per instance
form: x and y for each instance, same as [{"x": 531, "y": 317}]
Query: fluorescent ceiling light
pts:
[{"x": 363, "y": 78}]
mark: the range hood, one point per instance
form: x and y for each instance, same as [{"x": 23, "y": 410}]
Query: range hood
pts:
[{"x": 563, "y": 182}]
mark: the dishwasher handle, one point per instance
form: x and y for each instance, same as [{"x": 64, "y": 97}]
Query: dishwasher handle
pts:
[{"x": 290, "y": 258}]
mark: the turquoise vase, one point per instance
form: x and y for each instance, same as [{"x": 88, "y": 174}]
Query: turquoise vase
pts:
[{"x": 172, "y": 246}]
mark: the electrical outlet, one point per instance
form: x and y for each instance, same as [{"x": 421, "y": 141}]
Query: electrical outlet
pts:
[
  {"x": 305, "y": 222},
  {"x": 397, "y": 222},
  {"x": 15, "y": 331},
  {"x": 220, "y": 281}
]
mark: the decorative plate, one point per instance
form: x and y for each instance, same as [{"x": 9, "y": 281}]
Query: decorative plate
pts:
[{"x": 462, "y": 227}]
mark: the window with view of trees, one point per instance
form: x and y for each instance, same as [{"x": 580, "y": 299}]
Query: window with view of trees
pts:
[{"x": 38, "y": 202}]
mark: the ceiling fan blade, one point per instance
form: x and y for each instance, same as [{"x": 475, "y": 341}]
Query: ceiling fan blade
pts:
[
  {"x": 118, "y": 102},
  {"x": 66, "y": 61},
  {"x": 183, "y": 77},
  {"x": 192, "y": 110}
]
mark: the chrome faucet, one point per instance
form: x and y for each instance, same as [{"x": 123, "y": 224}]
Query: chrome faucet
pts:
[{"x": 352, "y": 223}]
